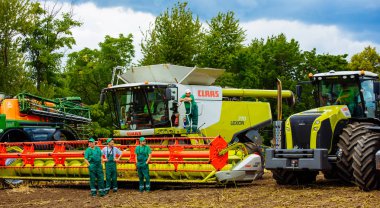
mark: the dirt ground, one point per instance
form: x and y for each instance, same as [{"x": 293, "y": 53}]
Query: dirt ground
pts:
[{"x": 261, "y": 193}]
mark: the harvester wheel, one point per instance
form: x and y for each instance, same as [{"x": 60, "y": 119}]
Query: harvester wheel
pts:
[
  {"x": 286, "y": 177},
  {"x": 365, "y": 174},
  {"x": 14, "y": 135},
  {"x": 347, "y": 141},
  {"x": 65, "y": 135}
]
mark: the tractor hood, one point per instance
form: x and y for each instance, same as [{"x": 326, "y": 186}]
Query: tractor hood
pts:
[
  {"x": 314, "y": 128},
  {"x": 326, "y": 111}
]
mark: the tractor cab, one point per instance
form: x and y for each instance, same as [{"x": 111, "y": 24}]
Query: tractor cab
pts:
[
  {"x": 139, "y": 106},
  {"x": 355, "y": 89}
]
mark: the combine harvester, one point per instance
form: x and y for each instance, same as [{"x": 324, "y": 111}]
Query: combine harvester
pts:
[{"x": 225, "y": 148}]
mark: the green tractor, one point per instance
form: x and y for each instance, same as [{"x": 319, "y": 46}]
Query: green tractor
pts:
[{"x": 341, "y": 137}]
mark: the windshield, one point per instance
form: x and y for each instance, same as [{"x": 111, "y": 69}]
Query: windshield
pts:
[
  {"x": 141, "y": 107},
  {"x": 347, "y": 92}
]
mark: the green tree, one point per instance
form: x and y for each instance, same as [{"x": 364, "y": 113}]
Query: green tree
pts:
[
  {"x": 175, "y": 38},
  {"x": 368, "y": 60},
  {"x": 15, "y": 20},
  {"x": 222, "y": 42},
  {"x": 317, "y": 63},
  {"x": 44, "y": 43},
  {"x": 89, "y": 71}
]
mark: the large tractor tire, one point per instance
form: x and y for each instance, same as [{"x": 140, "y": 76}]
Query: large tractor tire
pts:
[
  {"x": 286, "y": 177},
  {"x": 346, "y": 144},
  {"x": 364, "y": 164}
]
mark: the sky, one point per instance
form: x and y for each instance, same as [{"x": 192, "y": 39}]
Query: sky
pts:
[{"x": 331, "y": 26}]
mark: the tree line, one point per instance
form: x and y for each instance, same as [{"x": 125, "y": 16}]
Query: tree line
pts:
[{"x": 34, "y": 36}]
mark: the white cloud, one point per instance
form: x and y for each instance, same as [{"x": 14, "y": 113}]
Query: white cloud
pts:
[
  {"x": 99, "y": 22},
  {"x": 325, "y": 38}
]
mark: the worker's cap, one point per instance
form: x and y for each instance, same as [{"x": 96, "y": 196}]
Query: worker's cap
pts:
[
  {"x": 91, "y": 140},
  {"x": 188, "y": 91},
  {"x": 109, "y": 140},
  {"x": 142, "y": 139}
]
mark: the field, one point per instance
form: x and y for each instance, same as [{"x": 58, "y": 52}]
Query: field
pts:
[{"x": 261, "y": 193}]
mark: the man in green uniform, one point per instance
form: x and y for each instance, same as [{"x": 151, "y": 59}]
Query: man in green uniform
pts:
[
  {"x": 111, "y": 155},
  {"x": 348, "y": 96},
  {"x": 191, "y": 111},
  {"x": 93, "y": 158},
  {"x": 144, "y": 154}
]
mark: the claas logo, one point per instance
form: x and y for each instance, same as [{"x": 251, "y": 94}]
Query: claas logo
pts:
[
  {"x": 134, "y": 133},
  {"x": 208, "y": 93}
]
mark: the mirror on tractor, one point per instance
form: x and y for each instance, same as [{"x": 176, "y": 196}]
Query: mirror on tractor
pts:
[
  {"x": 168, "y": 94},
  {"x": 102, "y": 97},
  {"x": 376, "y": 90},
  {"x": 298, "y": 92}
]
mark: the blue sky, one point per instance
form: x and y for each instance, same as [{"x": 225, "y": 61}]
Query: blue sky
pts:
[{"x": 330, "y": 26}]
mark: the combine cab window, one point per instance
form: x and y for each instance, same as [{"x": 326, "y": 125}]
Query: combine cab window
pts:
[{"x": 140, "y": 107}]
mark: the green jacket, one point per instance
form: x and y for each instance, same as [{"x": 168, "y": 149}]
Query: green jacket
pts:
[
  {"x": 142, "y": 153},
  {"x": 93, "y": 155},
  {"x": 187, "y": 104}
]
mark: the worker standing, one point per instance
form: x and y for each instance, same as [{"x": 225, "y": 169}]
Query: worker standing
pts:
[
  {"x": 144, "y": 154},
  {"x": 111, "y": 155},
  {"x": 191, "y": 111},
  {"x": 93, "y": 158}
]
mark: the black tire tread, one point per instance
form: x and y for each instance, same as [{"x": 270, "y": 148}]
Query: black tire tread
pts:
[
  {"x": 347, "y": 142},
  {"x": 364, "y": 165}
]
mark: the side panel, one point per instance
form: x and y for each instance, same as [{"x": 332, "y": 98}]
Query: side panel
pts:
[
  {"x": 209, "y": 101},
  {"x": 236, "y": 116},
  {"x": 10, "y": 107}
]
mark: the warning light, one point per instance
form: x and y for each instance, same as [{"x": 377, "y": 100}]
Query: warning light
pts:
[
  {"x": 362, "y": 72},
  {"x": 310, "y": 75}
]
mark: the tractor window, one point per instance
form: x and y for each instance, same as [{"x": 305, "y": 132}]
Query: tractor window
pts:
[
  {"x": 340, "y": 92},
  {"x": 369, "y": 98}
]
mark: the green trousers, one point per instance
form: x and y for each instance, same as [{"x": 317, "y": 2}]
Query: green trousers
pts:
[
  {"x": 143, "y": 172},
  {"x": 96, "y": 175},
  {"x": 111, "y": 176},
  {"x": 193, "y": 117}
]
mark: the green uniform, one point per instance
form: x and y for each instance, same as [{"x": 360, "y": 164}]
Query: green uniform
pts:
[
  {"x": 143, "y": 153},
  {"x": 348, "y": 97},
  {"x": 111, "y": 171},
  {"x": 94, "y": 156},
  {"x": 191, "y": 115}
]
